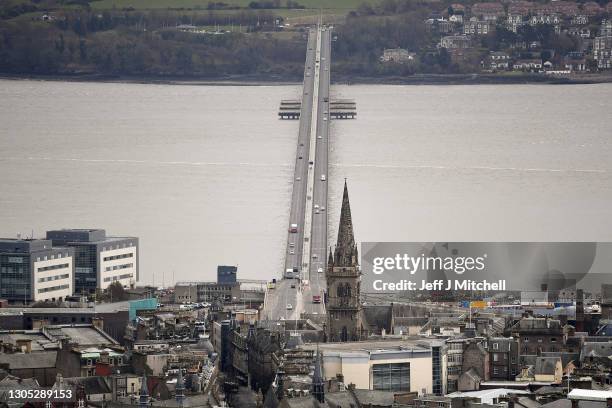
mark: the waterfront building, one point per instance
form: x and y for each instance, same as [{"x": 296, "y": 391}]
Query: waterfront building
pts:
[
  {"x": 100, "y": 260},
  {"x": 33, "y": 270}
]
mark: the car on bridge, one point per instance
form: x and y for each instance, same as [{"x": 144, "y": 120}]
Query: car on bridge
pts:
[
  {"x": 323, "y": 177},
  {"x": 289, "y": 307}
]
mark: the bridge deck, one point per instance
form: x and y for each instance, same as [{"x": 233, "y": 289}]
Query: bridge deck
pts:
[{"x": 306, "y": 249}]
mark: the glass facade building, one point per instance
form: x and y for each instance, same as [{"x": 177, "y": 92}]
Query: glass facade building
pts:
[
  {"x": 391, "y": 377},
  {"x": 32, "y": 270},
  {"x": 100, "y": 260}
]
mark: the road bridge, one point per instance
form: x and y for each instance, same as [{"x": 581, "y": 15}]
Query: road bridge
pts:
[{"x": 306, "y": 248}]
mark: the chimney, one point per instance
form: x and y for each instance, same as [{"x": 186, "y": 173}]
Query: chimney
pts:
[
  {"x": 98, "y": 322},
  {"x": 39, "y": 323},
  {"x": 25, "y": 345},
  {"x": 104, "y": 357}
]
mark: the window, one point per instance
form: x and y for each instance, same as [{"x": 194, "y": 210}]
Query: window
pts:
[
  {"x": 391, "y": 377},
  {"x": 495, "y": 346}
]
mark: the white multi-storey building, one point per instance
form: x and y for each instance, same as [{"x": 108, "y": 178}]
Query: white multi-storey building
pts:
[
  {"x": 100, "y": 260},
  {"x": 32, "y": 270}
]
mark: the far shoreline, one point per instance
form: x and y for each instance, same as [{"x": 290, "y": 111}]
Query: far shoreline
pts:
[{"x": 276, "y": 80}]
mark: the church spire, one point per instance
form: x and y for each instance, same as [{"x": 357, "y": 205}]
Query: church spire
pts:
[
  {"x": 346, "y": 250},
  {"x": 143, "y": 400},
  {"x": 318, "y": 385},
  {"x": 179, "y": 394}
]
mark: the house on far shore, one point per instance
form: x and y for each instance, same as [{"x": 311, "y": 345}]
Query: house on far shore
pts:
[{"x": 397, "y": 55}]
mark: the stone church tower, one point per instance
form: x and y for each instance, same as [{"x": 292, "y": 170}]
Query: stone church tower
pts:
[{"x": 344, "y": 282}]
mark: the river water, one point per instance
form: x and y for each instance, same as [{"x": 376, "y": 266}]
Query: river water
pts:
[{"x": 202, "y": 174}]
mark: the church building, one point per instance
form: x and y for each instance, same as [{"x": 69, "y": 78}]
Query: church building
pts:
[{"x": 344, "y": 282}]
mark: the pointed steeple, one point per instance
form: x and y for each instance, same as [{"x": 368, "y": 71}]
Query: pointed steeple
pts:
[
  {"x": 346, "y": 250},
  {"x": 143, "y": 400},
  {"x": 280, "y": 382},
  {"x": 318, "y": 385},
  {"x": 330, "y": 259},
  {"x": 179, "y": 394}
]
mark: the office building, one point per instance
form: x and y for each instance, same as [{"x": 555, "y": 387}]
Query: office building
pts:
[
  {"x": 398, "y": 366},
  {"x": 226, "y": 274},
  {"x": 99, "y": 259},
  {"x": 33, "y": 270}
]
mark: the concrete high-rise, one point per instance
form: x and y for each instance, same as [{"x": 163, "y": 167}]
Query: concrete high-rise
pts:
[
  {"x": 33, "y": 270},
  {"x": 100, "y": 260}
]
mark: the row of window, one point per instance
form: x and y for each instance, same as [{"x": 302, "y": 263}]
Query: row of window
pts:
[
  {"x": 215, "y": 289},
  {"x": 121, "y": 256},
  {"x": 19, "y": 270},
  {"x": 391, "y": 377},
  {"x": 117, "y": 267},
  {"x": 53, "y": 278},
  {"x": 46, "y": 258},
  {"x": 53, "y": 288},
  {"x": 118, "y": 246},
  {"x": 111, "y": 361},
  {"x": 53, "y": 267},
  {"x": 497, "y": 370},
  {"x": 120, "y": 277},
  {"x": 540, "y": 340}
]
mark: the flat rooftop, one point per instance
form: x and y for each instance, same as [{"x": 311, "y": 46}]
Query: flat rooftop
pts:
[
  {"x": 372, "y": 347},
  {"x": 24, "y": 245},
  {"x": 83, "y": 235},
  {"x": 99, "y": 308}
]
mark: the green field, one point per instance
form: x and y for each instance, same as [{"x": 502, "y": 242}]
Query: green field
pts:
[{"x": 312, "y": 6}]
